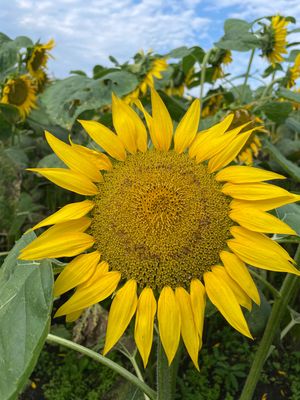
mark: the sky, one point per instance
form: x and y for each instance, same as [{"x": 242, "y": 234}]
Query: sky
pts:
[{"x": 87, "y": 32}]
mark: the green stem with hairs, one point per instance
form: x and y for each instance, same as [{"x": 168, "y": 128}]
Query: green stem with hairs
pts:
[
  {"x": 202, "y": 76},
  {"x": 166, "y": 374},
  {"x": 279, "y": 307},
  {"x": 247, "y": 75},
  {"x": 105, "y": 361}
]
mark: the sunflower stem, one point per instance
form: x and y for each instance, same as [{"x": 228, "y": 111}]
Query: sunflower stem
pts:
[
  {"x": 279, "y": 307},
  {"x": 202, "y": 76},
  {"x": 166, "y": 374},
  {"x": 105, "y": 361},
  {"x": 247, "y": 76}
]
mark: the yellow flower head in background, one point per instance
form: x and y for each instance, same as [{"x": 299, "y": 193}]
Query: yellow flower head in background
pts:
[
  {"x": 179, "y": 82},
  {"x": 275, "y": 46},
  {"x": 38, "y": 58},
  {"x": 163, "y": 226},
  {"x": 220, "y": 57},
  {"x": 20, "y": 92},
  {"x": 213, "y": 104},
  {"x": 253, "y": 145},
  {"x": 294, "y": 72},
  {"x": 157, "y": 67}
]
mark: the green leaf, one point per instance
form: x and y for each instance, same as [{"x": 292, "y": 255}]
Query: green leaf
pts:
[
  {"x": 51, "y": 161},
  {"x": 277, "y": 111},
  {"x": 289, "y": 95},
  {"x": 258, "y": 317},
  {"x": 290, "y": 214},
  {"x": 179, "y": 52},
  {"x": 10, "y": 113},
  {"x": 66, "y": 99},
  {"x": 23, "y": 41},
  {"x": 292, "y": 169},
  {"x": 8, "y": 56},
  {"x": 237, "y": 36},
  {"x": 25, "y": 307}
]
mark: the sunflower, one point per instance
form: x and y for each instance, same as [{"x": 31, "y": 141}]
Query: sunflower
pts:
[
  {"x": 218, "y": 58},
  {"x": 253, "y": 145},
  {"x": 179, "y": 81},
  {"x": 293, "y": 73},
  {"x": 165, "y": 226},
  {"x": 213, "y": 104},
  {"x": 37, "y": 59},
  {"x": 157, "y": 67},
  {"x": 275, "y": 42},
  {"x": 20, "y": 92}
]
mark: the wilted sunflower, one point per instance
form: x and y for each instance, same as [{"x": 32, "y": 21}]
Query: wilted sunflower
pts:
[
  {"x": 157, "y": 66},
  {"x": 213, "y": 104},
  {"x": 293, "y": 73},
  {"x": 274, "y": 43},
  {"x": 37, "y": 59},
  {"x": 218, "y": 58},
  {"x": 163, "y": 228},
  {"x": 179, "y": 81},
  {"x": 20, "y": 92}
]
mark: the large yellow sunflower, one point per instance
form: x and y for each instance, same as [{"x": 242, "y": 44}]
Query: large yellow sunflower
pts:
[
  {"x": 20, "y": 92},
  {"x": 38, "y": 58},
  {"x": 276, "y": 42},
  {"x": 157, "y": 67},
  {"x": 164, "y": 226}
]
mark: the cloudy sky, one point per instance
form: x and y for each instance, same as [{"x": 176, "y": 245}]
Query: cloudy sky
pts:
[{"x": 86, "y": 32}]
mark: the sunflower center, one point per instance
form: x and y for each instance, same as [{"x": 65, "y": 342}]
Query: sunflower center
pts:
[
  {"x": 160, "y": 219},
  {"x": 18, "y": 92},
  {"x": 38, "y": 59}
]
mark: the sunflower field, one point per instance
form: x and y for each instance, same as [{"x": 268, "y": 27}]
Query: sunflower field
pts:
[{"x": 150, "y": 224}]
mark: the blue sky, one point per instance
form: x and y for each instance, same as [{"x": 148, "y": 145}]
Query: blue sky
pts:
[{"x": 87, "y": 32}]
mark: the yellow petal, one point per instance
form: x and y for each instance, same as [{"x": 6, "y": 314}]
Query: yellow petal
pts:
[
  {"x": 266, "y": 205},
  {"x": 101, "y": 160},
  {"x": 74, "y": 160},
  {"x": 242, "y": 298},
  {"x": 123, "y": 124},
  {"x": 260, "y": 221},
  {"x": 161, "y": 130},
  {"x": 61, "y": 245},
  {"x": 229, "y": 153},
  {"x": 213, "y": 146},
  {"x": 198, "y": 302},
  {"x": 67, "y": 213},
  {"x": 99, "y": 271},
  {"x": 121, "y": 311},
  {"x": 254, "y": 191},
  {"x": 147, "y": 116},
  {"x": 261, "y": 258},
  {"x": 144, "y": 321},
  {"x": 189, "y": 330},
  {"x": 68, "y": 179},
  {"x": 92, "y": 294},
  {"x": 223, "y": 298},
  {"x": 187, "y": 128},
  {"x": 169, "y": 322},
  {"x": 73, "y": 316},
  {"x": 238, "y": 271},
  {"x": 243, "y": 174},
  {"x": 105, "y": 138},
  {"x": 211, "y": 133},
  {"x": 77, "y": 271},
  {"x": 129, "y": 126},
  {"x": 253, "y": 238}
]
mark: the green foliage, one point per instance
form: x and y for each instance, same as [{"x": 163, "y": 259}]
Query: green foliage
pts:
[
  {"x": 64, "y": 375},
  {"x": 26, "y": 301}
]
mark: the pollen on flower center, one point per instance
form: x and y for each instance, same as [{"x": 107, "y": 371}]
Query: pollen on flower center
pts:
[{"x": 160, "y": 219}]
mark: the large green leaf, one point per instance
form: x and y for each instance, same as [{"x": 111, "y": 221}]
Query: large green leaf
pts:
[
  {"x": 237, "y": 36},
  {"x": 66, "y": 99},
  {"x": 277, "y": 111},
  {"x": 25, "y": 307},
  {"x": 289, "y": 95}
]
